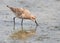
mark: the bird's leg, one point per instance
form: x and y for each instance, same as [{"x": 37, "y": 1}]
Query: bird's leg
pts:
[
  {"x": 22, "y": 27},
  {"x": 22, "y": 23},
  {"x": 14, "y": 22},
  {"x": 36, "y": 23}
]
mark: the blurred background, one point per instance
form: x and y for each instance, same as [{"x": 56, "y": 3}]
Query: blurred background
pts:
[{"x": 48, "y": 18}]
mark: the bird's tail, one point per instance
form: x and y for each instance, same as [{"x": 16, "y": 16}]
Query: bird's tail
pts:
[{"x": 8, "y": 6}]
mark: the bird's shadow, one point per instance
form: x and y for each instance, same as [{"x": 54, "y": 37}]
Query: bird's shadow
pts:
[{"x": 24, "y": 34}]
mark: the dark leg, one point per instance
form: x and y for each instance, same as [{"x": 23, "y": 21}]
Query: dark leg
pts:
[
  {"x": 14, "y": 23},
  {"x": 22, "y": 27},
  {"x": 36, "y": 23},
  {"x": 22, "y": 23}
]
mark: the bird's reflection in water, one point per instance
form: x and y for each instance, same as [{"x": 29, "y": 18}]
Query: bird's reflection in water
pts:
[{"x": 23, "y": 34}]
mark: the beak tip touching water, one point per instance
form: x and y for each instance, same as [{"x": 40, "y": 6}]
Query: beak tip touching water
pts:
[{"x": 37, "y": 24}]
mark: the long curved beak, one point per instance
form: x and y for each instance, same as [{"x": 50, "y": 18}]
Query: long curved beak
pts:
[{"x": 36, "y": 23}]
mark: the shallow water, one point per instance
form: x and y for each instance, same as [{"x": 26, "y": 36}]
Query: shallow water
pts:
[{"x": 48, "y": 18}]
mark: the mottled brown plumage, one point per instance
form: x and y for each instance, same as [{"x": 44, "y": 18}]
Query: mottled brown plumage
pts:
[{"x": 23, "y": 14}]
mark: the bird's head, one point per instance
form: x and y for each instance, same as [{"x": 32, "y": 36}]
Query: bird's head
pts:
[{"x": 33, "y": 17}]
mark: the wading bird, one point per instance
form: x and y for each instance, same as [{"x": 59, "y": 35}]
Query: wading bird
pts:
[{"x": 23, "y": 14}]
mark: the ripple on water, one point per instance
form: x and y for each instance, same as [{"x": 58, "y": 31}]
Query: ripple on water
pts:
[{"x": 42, "y": 38}]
